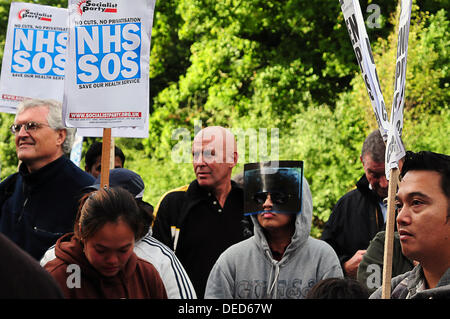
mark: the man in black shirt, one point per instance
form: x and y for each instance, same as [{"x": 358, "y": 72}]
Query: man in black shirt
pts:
[{"x": 200, "y": 220}]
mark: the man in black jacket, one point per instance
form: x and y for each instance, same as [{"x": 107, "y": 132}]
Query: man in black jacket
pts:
[
  {"x": 39, "y": 203},
  {"x": 203, "y": 219},
  {"x": 361, "y": 213}
]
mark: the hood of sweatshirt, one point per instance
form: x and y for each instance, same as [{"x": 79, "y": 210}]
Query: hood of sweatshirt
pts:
[
  {"x": 302, "y": 225},
  {"x": 301, "y": 234},
  {"x": 305, "y": 262},
  {"x": 70, "y": 250}
]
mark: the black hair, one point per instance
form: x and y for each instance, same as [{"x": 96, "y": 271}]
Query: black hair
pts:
[
  {"x": 429, "y": 161},
  {"x": 107, "y": 205},
  {"x": 146, "y": 211},
  {"x": 95, "y": 150},
  {"x": 338, "y": 288}
]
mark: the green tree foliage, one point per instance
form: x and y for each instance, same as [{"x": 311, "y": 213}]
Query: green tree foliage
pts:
[
  {"x": 255, "y": 65},
  {"x": 8, "y": 163}
]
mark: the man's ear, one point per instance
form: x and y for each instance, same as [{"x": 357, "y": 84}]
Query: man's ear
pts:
[
  {"x": 62, "y": 134},
  {"x": 235, "y": 160}
]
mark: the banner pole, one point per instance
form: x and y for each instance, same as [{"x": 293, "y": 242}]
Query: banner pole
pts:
[
  {"x": 106, "y": 154},
  {"x": 389, "y": 237},
  {"x": 113, "y": 154}
]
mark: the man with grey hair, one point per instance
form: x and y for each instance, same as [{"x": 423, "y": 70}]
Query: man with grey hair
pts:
[
  {"x": 200, "y": 220},
  {"x": 39, "y": 203},
  {"x": 361, "y": 213}
]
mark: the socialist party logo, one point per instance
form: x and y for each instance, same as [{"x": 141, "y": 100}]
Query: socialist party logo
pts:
[
  {"x": 27, "y": 13},
  {"x": 96, "y": 6}
]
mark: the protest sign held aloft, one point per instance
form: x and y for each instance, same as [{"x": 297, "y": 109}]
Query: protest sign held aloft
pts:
[
  {"x": 391, "y": 131},
  {"x": 360, "y": 41},
  {"x": 34, "y": 54},
  {"x": 107, "y": 70},
  {"x": 129, "y": 132},
  {"x": 394, "y": 148}
]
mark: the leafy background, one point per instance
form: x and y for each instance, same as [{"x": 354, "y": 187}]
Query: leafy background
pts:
[{"x": 254, "y": 65}]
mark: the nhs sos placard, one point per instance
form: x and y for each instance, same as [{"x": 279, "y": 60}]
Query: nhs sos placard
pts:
[
  {"x": 39, "y": 52},
  {"x": 34, "y": 54},
  {"x": 107, "y": 70},
  {"x": 108, "y": 52}
]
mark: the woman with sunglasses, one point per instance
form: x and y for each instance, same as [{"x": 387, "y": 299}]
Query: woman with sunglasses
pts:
[
  {"x": 281, "y": 260},
  {"x": 97, "y": 260}
]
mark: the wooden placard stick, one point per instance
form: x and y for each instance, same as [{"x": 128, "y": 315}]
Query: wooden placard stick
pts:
[
  {"x": 112, "y": 155},
  {"x": 394, "y": 148},
  {"x": 389, "y": 237},
  {"x": 106, "y": 154}
]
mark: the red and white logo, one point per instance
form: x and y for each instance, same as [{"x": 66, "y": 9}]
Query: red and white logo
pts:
[
  {"x": 26, "y": 13},
  {"x": 96, "y": 6}
]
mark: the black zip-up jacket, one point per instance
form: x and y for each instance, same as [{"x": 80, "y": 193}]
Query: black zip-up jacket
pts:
[
  {"x": 37, "y": 208},
  {"x": 202, "y": 227},
  {"x": 355, "y": 220}
]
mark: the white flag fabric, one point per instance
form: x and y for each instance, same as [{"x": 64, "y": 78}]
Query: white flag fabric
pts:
[
  {"x": 107, "y": 69},
  {"x": 34, "y": 54},
  {"x": 360, "y": 41},
  {"x": 395, "y": 149}
]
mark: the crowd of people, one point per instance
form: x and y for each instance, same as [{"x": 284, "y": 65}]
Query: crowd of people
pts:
[{"x": 64, "y": 236}]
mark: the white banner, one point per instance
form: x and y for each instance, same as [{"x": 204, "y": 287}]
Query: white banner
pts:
[
  {"x": 360, "y": 41},
  {"x": 136, "y": 132},
  {"x": 107, "y": 69},
  {"x": 394, "y": 148},
  {"x": 75, "y": 153},
  {"x": 34, "y": 54}
]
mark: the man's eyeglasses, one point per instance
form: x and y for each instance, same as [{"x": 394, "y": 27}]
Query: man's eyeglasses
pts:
[
  {"x": 276, "y": 197},
  {"x": 33, "y": 126}
]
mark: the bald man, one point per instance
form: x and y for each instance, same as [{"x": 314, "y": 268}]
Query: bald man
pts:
[{"x": 200, "y": 220}]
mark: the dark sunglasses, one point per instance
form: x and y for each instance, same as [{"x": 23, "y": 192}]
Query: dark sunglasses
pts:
[
  {"x": 276, "y": 197},
  {"x": 33, "y": 126}
]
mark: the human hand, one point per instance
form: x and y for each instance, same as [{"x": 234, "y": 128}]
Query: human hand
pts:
[{"x": 351, "y": 265}]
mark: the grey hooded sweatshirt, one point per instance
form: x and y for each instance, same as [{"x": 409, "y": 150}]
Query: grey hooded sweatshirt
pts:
[{"x": 247, "y": 269}]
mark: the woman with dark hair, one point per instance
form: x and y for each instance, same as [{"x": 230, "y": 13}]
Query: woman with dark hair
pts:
[
  {"x": 97, "y": 260},
  {"x": 338, "y": 288}
]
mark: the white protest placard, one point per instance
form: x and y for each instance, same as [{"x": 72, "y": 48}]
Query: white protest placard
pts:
[
  {"x": 360, "y": 41},
  {"x": 132, "y": 132},
  {"x": 107, "y": 69},
  {"x": 395, "y": 149},
  {"x": 34, "y": 54},
  {"x": 75, "y": 153}
]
